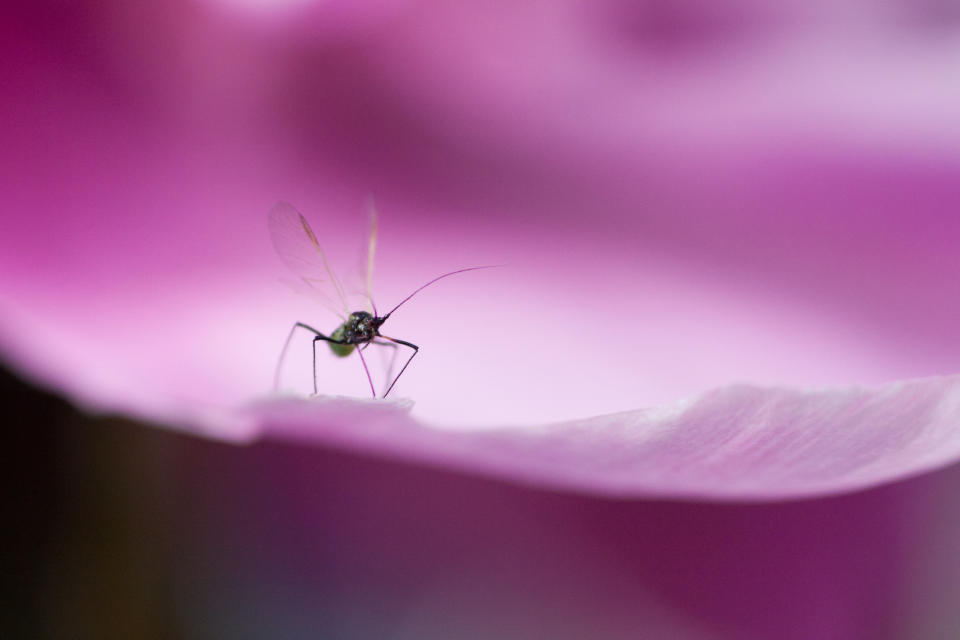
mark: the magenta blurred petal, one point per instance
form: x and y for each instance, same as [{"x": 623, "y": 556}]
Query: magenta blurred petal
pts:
[
  {"x": 735, "y": 442},
  {"x": 674, "y": 222}
]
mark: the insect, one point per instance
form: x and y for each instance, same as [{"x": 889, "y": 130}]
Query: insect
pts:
[{"x": 298, "y": 247}]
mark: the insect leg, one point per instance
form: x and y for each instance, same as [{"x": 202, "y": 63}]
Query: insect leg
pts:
[
  {"x": 316, "y": 339},
  {"x": 393, "y": 356},
  {"x": 283, "y": 353},
  {"x": 369, "y": 379},
  {"x": 416, "y": 350},
  {"x": 313, "y": 352}
]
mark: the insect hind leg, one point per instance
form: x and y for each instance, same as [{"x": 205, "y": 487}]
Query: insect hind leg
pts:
[
  {"x": 416, "y": 350},
  {"x": 283, "y": 352},
  {"x": 393, "y": 359}
]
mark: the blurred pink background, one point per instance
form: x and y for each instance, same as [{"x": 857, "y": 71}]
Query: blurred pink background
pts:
[{"x": 685, "y": 195}]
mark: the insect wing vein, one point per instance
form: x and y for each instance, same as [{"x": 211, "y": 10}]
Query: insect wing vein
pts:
[{"x": 299, "y": 249}]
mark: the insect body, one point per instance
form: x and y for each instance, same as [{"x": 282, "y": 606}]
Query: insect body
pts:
[
  {"x": 299, "y": 248},
  {"x": 359, "y": 328}
]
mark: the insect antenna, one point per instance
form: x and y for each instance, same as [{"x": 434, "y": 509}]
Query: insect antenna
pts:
[{"x": 421, "y": 288}]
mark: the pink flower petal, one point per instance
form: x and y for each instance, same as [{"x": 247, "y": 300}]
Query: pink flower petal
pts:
[
  {"x": 672, "y": 225},
  {"x": 735, "y": 442}
]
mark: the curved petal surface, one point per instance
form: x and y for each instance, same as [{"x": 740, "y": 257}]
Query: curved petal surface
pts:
[
  {"x": 674, "y": 222},
  {"x": 737, "y": 442}
]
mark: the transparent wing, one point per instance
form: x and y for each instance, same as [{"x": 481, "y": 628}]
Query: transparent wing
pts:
[
  {"x": 371, "y": 253},
  {"x": 358, "y": 283},
  {"x": 299, "y": 249},
  {"x": 304, "y": 288}
]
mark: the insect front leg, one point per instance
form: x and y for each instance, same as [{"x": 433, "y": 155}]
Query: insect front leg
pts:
[
  {"x": 283, "y": 352},
  {"x": 416, "y": 350},
  {"x": 366, "y": 370}
]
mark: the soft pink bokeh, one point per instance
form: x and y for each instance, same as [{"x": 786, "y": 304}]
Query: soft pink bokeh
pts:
[
  {"x": 665, "y": 230},
  {"x": 687, "y": 197}
]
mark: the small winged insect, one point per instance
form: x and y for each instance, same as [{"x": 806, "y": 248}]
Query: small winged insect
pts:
[{"x": 298, "y": 247}]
